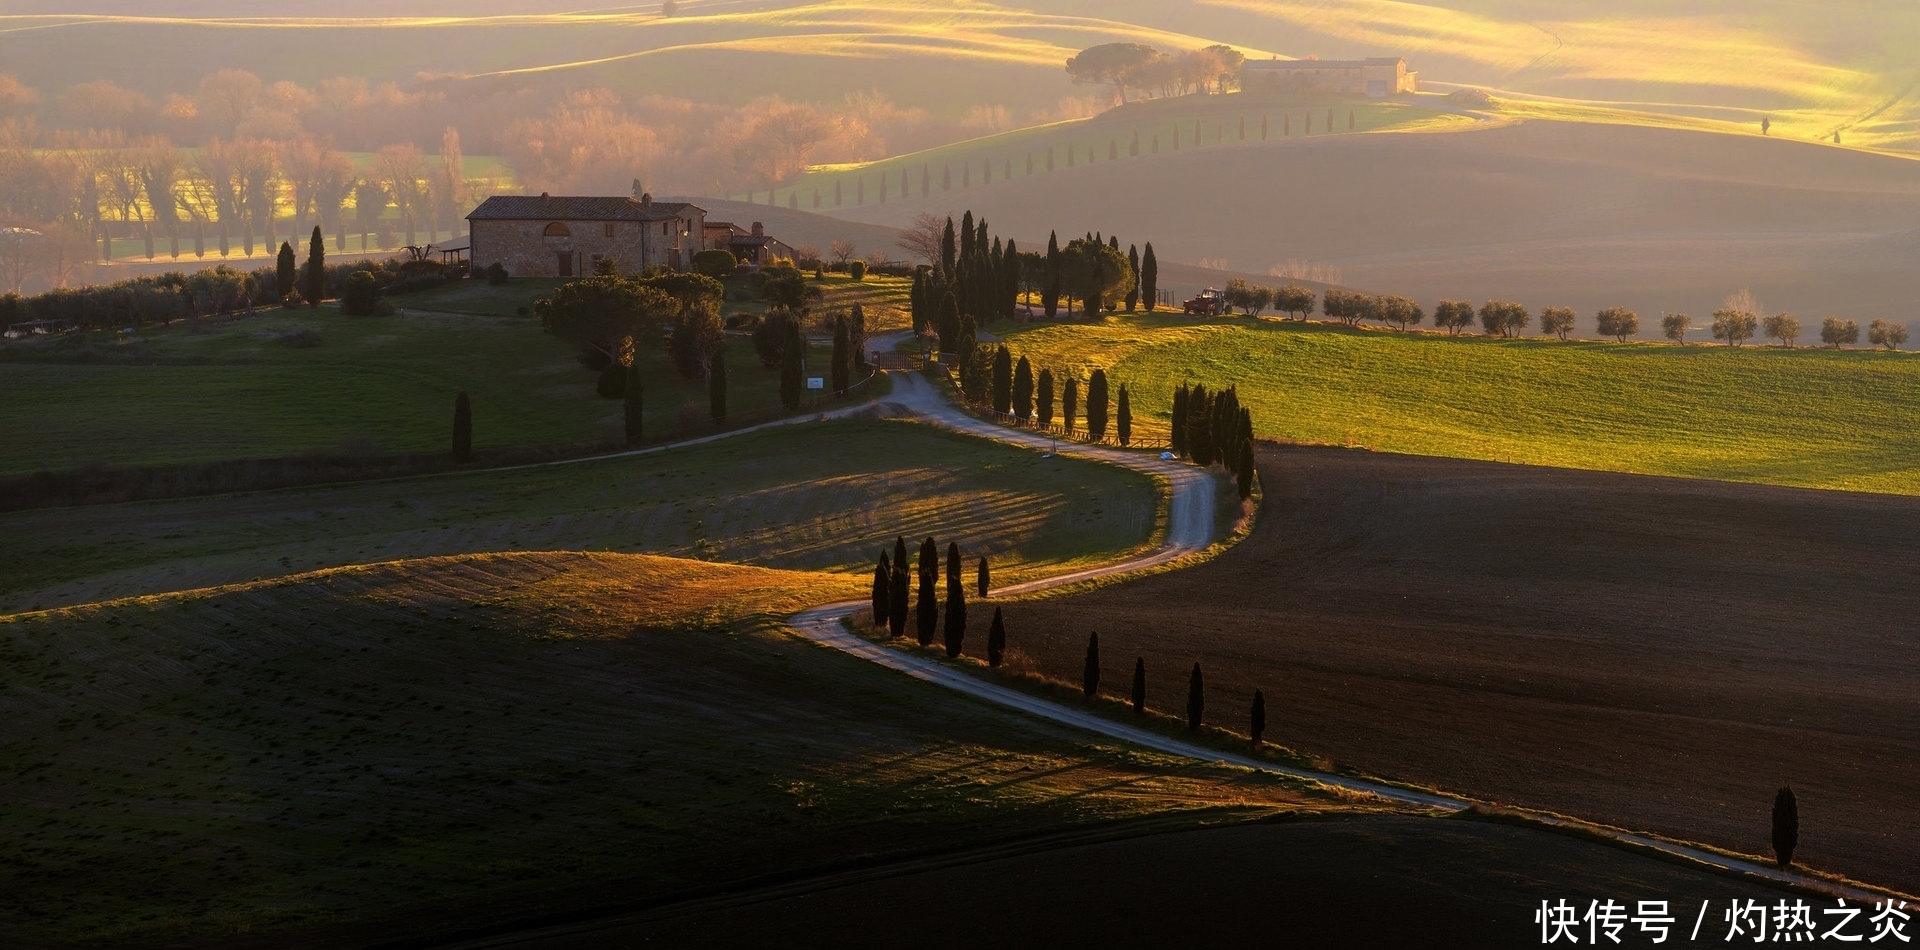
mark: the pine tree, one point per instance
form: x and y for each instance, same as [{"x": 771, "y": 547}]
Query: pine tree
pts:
[
  {"x": 1123, "y": 417},
  {"x": 316, "y": 268},
  {"x": 982, "y": 576},
  {"x": 462, "y": 428},
  {"x": 1043, "y": 399},
  {"x": 1243, "y": 472},
  {"x": 897, "y": 596},
  {"x": 1786, "y": 826},
  {"x": 1090, "y": 677},
  {"x": 1002, "y": 380},
  {"x": 956, "y": 631},
  {"x": 1149, "y": 277},
  {"x": 1179, "y": 438},
  {"x": 1133, "y": 265},
  {"x": 882, "y": 587},
  {"x": 1196, "y": 698},
  {"x": 285, "y": 274},
  {"x": 1258, "y": 725},
  {"x": 1097, "y": 404},
  {"x": 1023, "y": 390},
  {"x": 1139, "y": 685},
  {"x": 632, "y": 402},
  {"x": 792, "y": 378},
  {"x": 996, "y": 640},
  {"x": 716, "y": 387},
  {"x": 1069, "y": 400},
  {"x": 842, "y": 356}
]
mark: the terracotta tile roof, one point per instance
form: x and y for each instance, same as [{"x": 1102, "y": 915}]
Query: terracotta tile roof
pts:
[{"x": 575, "y": 208}]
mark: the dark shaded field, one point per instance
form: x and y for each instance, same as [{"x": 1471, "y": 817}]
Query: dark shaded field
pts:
[
  {"x": 1386, "y": 881},
  {"x": 1659, "y": 654}
]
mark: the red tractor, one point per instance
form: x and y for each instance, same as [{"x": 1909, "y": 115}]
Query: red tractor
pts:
[{"x": 1210, "y": 303}]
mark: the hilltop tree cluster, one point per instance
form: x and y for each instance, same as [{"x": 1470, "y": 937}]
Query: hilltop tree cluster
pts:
[
  {"x": 1212, "y": 427},
  {"x": 890, "y": 598},
  {"x": 1137, "y": 66}
]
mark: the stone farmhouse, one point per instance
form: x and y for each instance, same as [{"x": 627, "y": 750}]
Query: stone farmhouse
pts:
[
  {"x": 562, "y": 236},
  {"x": 1376, "y": 77},
  {"x": 755, "y": 247}
]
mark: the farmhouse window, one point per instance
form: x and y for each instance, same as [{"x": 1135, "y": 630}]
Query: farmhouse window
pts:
[
  {"x": 609, "y": 229},
  {"x": 557, "y": 229}
]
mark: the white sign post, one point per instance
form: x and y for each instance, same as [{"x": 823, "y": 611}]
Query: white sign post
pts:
[{"x": 816, "y": 382}]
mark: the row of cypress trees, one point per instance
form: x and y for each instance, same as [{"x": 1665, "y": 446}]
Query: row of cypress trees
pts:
[
  {"x": 891, "y": 600},
  {"x": 976, "y": 280},
  {"x": 1016, "y": 391},
  {"x": 1196, "y": 691},
  {"x": 1212, "y": 426}
]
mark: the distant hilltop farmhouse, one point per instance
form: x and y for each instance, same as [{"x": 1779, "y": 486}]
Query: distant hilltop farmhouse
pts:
[
  {"x": 1376, "y": 77},
  {"x": 567, "y": 235}
]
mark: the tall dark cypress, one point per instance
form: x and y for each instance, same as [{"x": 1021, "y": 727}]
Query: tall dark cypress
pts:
[
  {"x": 956, "y": 629},
  {"x": 1139, "y": 684},
  {"x": 1009, "y": 280},
  {"x": 1149, "y": 277},
  {"x": 857, "y": 337},
  {"x": 1196, "y": 698},
  {"x": 927, "y": 615},
  {"x": 1069, "y": 403},
  {"x": 1199, "y": 438},
  {"x": 947, "y": 324},
  {"x": 1002, "y": 380},
  {"x": 1043, "y": 399},
  {"x": 791, "y": 372},
  {"x": 1257, "y": 725},
  {"x": 1179, "y": 420},
  {"x": 1244, "y": 430},
  {"x": 1050, "y": 294},
  {"x": 982, "y": 575},
  {"x": 1023, "y": 390},
  {"x": 916, "y": 299},
  {"x": 1133, "y": 267},
  {"x": 1097, "y": 404},
  {"x": 898, "y": 597},
  {"x": 1786, "y": 826},
  {"x": 882, "y": 589},
  {"x": 953, "y": 563},
  {"x": 1123, "y": 418},
  {"x": 316, "y": 268},
  {"x": 949, "y": 252},
  {"x": 462, "y": 428},
  {"x": 996, "y": 640},
  {"x": 285, "y": 273},
  {"x": 632, "y": 403},
  {"x": 966, "y": 235},
  {"x": 716, "y": 388},
  {"x": 1090, "y": 676},
  {"x": 1243, "y": 470}
]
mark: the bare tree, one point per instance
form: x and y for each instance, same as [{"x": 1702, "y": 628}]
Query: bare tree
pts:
[
  {"x": 841, "y": 250},
  {"x": 400, "y": 168},
  {"x": 229, "y": 95},
  {"x": 922, "y": 238}
]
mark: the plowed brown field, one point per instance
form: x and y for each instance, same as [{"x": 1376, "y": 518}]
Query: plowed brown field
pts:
[{"x": 1660, "y": 654}]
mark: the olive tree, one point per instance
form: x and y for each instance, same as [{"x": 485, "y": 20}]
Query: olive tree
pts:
[
  {"x": 1734, "y": 326},
  {"x": 1782, "y": 327},
  {"x": 1887, "y": 334},
  {"x": 1675, "y": 326},
  {"x": 1557, "y": 321},
  {"x": 1617, "y": 322},
  {"x": 1836, "y": 332}
]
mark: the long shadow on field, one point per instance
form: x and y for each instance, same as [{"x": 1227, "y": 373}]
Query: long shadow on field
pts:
[{"x": 1656, "y": 653}]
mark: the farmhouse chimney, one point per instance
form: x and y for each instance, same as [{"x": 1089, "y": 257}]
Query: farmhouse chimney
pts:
[
  {"x": 759, "y": 231},
  {"x": 646, "y": 199}
]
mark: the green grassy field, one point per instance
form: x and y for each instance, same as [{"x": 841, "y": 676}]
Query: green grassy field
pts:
[
  {"x": 811, "y": 497},
  {"x": 1806, "y": 417},
  {"x": 424, "y": 746},
  {"x": 171, "y": 395}
]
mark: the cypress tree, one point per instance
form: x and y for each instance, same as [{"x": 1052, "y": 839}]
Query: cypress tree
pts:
[
  {"x": 1069, "y": 400},
  {"x": 1044, "y": 399},
  {"x": 1196, "y": 698},
  {"x": 966, "y": 235},
  {"x": 842, "y": 356},
  {"x": 1123, "y": 417},
  {"x": 1179, "y": 420},
  {"x": 285, "y": 274},
  {"x": 316, "y": 268},
  {"x": 1090, "y": 677},
  {"x": 1149, "y": 277},
  {"x": 716, "y": 387},
  {"x": 1199, "y": 438},
  {"x": 956, "y": 630},
  {"x": 1050, "y": 294},
  {"x": 1243, "y": 472},
  {"x": 953, "y": 563},
  {"x": 1139, "y": 685},
  {"x": 1002, "y": 380},
  {"x": 857, "y": 337},
  {"x": 1258, "y": 725},
  {"x": 897, "y": 596},
  {"x": 1133, "y": 265},
  {"x": 1023, "y": 390},
  {"x": 948, "y": 252},
  {"x": 982, "y": 576},
  {"x": 1786, "y": 826},
  {"x": 996, "y": 640},
  {"x": 882, "y": 587},
  {"x": 927, "y": 616},
  {"x": 1097, "y": 405},
  {"x": 631, "y": 404},
  {"x": 462, "y": 428},
  {"x": 947, "y": 324},
  {"x": 792, "y": 378}
]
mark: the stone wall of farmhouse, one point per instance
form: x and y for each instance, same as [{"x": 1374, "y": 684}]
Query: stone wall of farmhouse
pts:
[{"x": 526, "y": 250}]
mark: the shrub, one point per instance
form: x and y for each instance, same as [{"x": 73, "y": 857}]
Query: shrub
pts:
[
  {"x": 715, "y": 262},
  {"x": 364, "y": 296},
  {"x": 857, "y": 270},
  {"x": 496, "y": 273},
  {"x": 613, "y": 381},
  {"x": 742, "y": 321}
]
